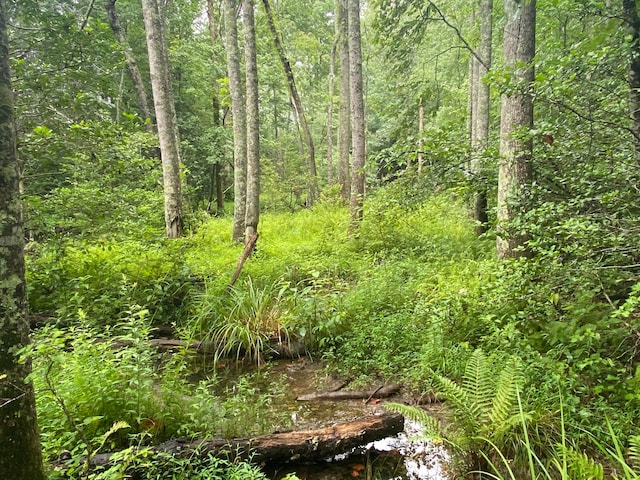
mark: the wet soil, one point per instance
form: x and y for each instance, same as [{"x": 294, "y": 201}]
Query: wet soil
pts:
[{"x": 406, "y": 456}]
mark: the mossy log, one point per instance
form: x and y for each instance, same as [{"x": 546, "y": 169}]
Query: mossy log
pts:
[{"x": 283, "y": 447}]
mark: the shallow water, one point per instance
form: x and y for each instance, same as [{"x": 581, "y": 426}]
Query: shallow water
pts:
[{"x": 403, "y": 457}]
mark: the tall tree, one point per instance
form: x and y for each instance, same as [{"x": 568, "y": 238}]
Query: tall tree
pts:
[
  {"x": 239, "y": 113},
  {"x": 253, "y": 124},
  {"x": 480, "y": 130},
  {"x": 297, "y": 104},
  {"x": 165, "y": 116},
  {"x": 215, "y": 188},
  {"x": 344, "y": 114},
  {"x": 20, "y": 453},
  {"x": 516, "y": 120},
  {"x": 130, "y": 62},
  {"x": 357, "y": 113},
  {"x": 332, "y": 81},
  {"x": 630, "y": 15}
]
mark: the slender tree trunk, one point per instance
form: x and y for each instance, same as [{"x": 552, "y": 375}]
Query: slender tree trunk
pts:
[
  {"x": 480, "y": 139},
  {"x": 332, "y": 81},
  {"x": 165, "y": 116},
  {"x": 297, "y": 105},
  {"x": 131, "y": 63},
  {"x": 420, "y": 136},
  {"x": 216, "y": 178},
  {"x": 20, "y": 453},
  {"x": 630, "y": 12},
  {"x": 253, "y": 124},
  {"x": 238, "y": 108},
  {"x": 357, "y": 113},
  {"x": 517, "y": 116},
  {"x": 344, "y": 114},
  {"x": 473, "y": 92}
]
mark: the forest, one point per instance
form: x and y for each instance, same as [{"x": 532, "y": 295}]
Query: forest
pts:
[{"x": 438, "y": 195}]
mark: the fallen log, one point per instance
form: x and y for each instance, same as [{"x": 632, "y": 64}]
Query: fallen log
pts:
[
  {"x": 275, "y": 448},
  {"x": 380, "y": 392}
]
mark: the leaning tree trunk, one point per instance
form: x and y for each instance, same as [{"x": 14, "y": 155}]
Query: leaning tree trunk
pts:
[
  {"x": 480, "y": 137},
  {"x": 357, "y": 113},
  {"x": 297, "y": 105},
  {"x": 130, "y": 62},
  {"x": 517, "y": 116},
  {"x": 344, "y": 114},
  {"x": 253, "y": 124},
  {"x": 20, "y": 454},
  {"x": 165, "y": 116},
  {"x": 630, "y": 12},
  {"x": 239, "y": 113}
]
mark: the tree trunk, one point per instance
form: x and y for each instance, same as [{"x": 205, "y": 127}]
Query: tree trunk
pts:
[
  {"x": 420, "y": 137},
  {"x": 332, "y": 81},
  {"x": 357, "y": 114},
  {"x": 297, "y": 105},
  {"x": 480, "y": 139},
  {"x": 515, "y": 122},
  {"x": 131, "y": 63},
  {"x": 165, "y": 116},
  {"x": 630, "y": 12},
  {"x": 239, "y": 121},
  {"x": 216, "y": 175},
  {"x": 20, "y": 453},
  {"x": 253, "y": 124},
  {"x": 344, "y": 114}
]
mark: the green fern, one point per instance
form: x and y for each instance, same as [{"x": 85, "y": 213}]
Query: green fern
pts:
[
  {"x": 478, "y": 382},
  {"x": 580, "y": 465},
  {"x": 634, "y": 450},
  {"x": 504, "y": 412},
  {"x": 433, "y": 428}
]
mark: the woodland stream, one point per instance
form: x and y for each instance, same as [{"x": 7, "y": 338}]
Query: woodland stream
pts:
[{"x": 402, "y": 457}]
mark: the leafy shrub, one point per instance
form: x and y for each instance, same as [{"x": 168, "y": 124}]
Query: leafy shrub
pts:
[
  {"x": 107, "y": 277},
  {"x": 88, "y": 381}
]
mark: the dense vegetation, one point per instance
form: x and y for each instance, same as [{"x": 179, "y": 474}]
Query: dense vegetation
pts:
[{"x": 538, "y": 358}]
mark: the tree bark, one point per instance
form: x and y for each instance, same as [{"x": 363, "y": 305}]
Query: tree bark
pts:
[
  {"x": 630, "y": 13},
  {"x": 383, "y": 392},
  {"x": 165, "y": 116},
  {"x": 332, "y": 81},
  {"x": 358, "y": 140},
  {"x": 20, "y": 452},
  {"x": 515, "y": 122},
  {"x": 216, "y": 174},
  {"x": 420, "y": 136},
  {"x": 344, "y": 114},
  {"x": 480, "y": 137},
  {"x": 253, "y": 125},
  {"x": 277, "y": 448},
  {"x": 297, "y": 105},
  {"x": 239, "y": 113},
  {"x": 131, "y": 63}
]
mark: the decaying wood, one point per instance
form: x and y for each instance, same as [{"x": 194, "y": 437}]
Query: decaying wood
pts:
[
  {"x": 380, "y": 392},
  {"x": 301, "y": 445}
]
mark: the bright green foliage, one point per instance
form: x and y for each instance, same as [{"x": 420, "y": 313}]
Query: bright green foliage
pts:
[
  {"x": 244, "y": 322},
  {"x": 102, "y": 391},
  {"x": 105, "y": 278}
]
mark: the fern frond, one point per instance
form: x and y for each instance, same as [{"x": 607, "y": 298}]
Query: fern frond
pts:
[
  {"x": 504, "y": 404},
  {"x": 432, "y": 426},
  {"x": 634, "y": 450},
  {"x": 478, "y": 382},
  {"x": 580, "y": 465}
]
